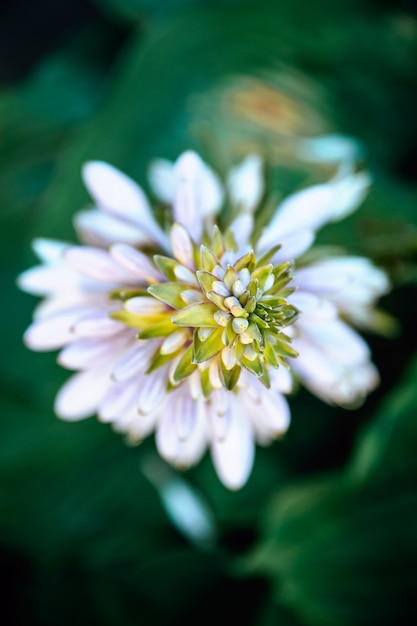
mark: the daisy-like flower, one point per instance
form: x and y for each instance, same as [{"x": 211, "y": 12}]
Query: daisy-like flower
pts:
[{"x": 196, "y": 331}]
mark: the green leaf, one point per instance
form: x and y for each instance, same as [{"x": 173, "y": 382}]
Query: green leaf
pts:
[
  {"x": 138, "y": 321},
  {"x": 230, "y": 378},
  {"x": 205, "y": 350},
  {"x": 185, "y": 367},
  {"x": 160, "y": 329},
  {"x": 196, "y": 316},
  {"x": 170, "y": 293}
]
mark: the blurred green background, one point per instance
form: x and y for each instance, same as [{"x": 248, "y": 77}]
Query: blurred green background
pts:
[{"x": 325, "y": 531}]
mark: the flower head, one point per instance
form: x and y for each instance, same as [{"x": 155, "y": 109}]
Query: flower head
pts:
[{"x": 196, "y": 331}]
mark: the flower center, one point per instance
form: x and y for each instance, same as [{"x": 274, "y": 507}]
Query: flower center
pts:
[{"x": 218, "y": 311}]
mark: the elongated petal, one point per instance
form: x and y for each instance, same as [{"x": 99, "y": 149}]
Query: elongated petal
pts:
[
  {"x": 162, "y": 179},
  {"x": 245, "y": 183},
  {"x": 96, "y": 323},
  {"x": 115, "y": 192},
  {"x": 135, "y": 361},
  {"x": 313, "y": 207},
  {"x": 86, "y": 353},
  {"x": 81, "y": 395},
  {"x": 182, "y": 246},
  {"x": 135, "y": 262},
  {"x": 49, "y": 250},
  {"x": 50, "y": 333},
  {"x": 43, "y": 279},
  {"x": 97, "y": 228},
  {"x": 182, "y": 448},
  {"x": 242, "y": 229},
  {"x": 118, "y": 194},
  {"x": 142, "y": 305},
  {"x": 97, "y": 264},
  {"x": 233, "y": 456}
]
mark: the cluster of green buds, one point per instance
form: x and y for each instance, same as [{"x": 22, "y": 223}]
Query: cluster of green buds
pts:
[{"x": 214, "y": 312}]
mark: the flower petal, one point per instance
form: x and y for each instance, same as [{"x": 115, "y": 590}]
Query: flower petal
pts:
[
  {"x": 96, "y": 264},
  {"x": 94, "y": 227},
  {"x": 50, "y": 333},
  {"x": 233, "y": 456},
  {"x": 162, "y": 178},
  {"x": 245, "y": 183},
  {"x": 81, "y": 394},
  {"x": 313, "y": 207},
  {"x": 135, "y": 262},
  {"x": 118, "y": 194},
  {"x": 182, "y": 448}
]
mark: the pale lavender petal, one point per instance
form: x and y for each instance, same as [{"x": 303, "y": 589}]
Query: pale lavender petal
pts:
[
  {"x": 233, "y": 457},
  {"x": 162, "y": 178},
  {"x": 43, "y": 279},
  {"x": 242, "y": 229},
  {"x": 136, "y": 262},
  {"x": 80, "y": 396},
  {"x": 182, "y": 446},
  {"x": 313, "y": 207},
  {"x": 97, "y": 264},
  {"x": 97, "y": 323},
  {"x": 274, "y": 412},
  {"x": 90, "y": 353},
  {"x": 292, "y": 246},
  {"x": 114, "y": 191},
  {"x": 144, "y": 305},
  {"x": 97, "y": 228},
  {"x": 49, "y": 250},
  {"x": 245, "y": 183},
  {"x": 135, "y": 361},
  {"x": 120, "y": 399},
  {"x": 118, "y": 194},
  {"x": 50, "y": 333},
  {"x": 335, "y": 339},
  {"x": 182, "y": 246},
  {"x": 152, "y": 392}
]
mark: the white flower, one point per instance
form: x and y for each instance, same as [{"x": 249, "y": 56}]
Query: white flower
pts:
[{"x": 196, "y": 333}]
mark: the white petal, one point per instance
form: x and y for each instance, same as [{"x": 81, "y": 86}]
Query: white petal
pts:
[
  {"x": 197, "y": 194},
  {"x": 152, "y": 392},
  {"x": 313, "y": 207},
  {"x": 335, "y": 339},
  {"x": 182, "y": 246},
  {"x": 177, "y": 449},
  {"x": 174, "y": 341},
  {"x": 274, "y": 412},
  {"x": 43, "y": 279},
  {"x": 81, "y": 394},
  {"x": 96, "y": 264},
  {"x": 162, "y": 179},
  {"x": 115, "y": 192},
  {"x": 96, "y": 323},
  {"x": 89, "y": 353},
  {"x": 330, "y": 149},
  {"x": 136, "y": 262},
  {"x": 118, "y": 194},
  {"x": 135, "y": 361},
  {"x": 350, "y": 191},
  {"x": 119, "y": 400},
  {"x": 49, "y": 250},
  {"x": 292, "y": 246},
  {"x": 97, "y": 228},
  {"x": 50, "y": 333},
  {"x": 281, "y": 379},
  {"x": 233, "y": 457},
  {"x": 245, "y": 183},
  {"x": 242, "y": 229},
  {"x": 145, "y": 305}
]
